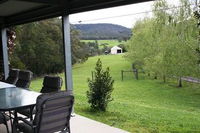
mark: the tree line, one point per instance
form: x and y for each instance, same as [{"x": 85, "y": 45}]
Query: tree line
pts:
[
  {"x": 167, "y": 43},
  {"x": 39, "y": 47},
  {"x": 103, "y": 31}
]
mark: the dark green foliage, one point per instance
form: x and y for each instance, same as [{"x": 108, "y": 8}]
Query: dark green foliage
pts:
[
  {"x": 103, "y": 31},
  {"x": 92, "y": 48},
  {"x": 123, "y": 47},
  {"x": 15, "y": 62},
  {"x": 80, "y": 53},
  {"x": 40, "y": 47},
  {"x": 106, "y": 49},
  {"x": 100, "y": 89}
]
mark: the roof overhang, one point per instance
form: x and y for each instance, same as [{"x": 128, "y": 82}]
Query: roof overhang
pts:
[{"x": 13, "y": 12}]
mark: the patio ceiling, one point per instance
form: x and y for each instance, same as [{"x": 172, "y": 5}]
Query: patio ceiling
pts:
[{"x": 13, "y": 12}]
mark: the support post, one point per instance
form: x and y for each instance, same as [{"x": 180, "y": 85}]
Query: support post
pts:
[
  {"x": 5, "y": 52},
  {"x": 67, "y": 52}
]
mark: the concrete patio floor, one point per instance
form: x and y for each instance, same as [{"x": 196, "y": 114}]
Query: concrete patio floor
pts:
[{"x": 80, "y": 124}]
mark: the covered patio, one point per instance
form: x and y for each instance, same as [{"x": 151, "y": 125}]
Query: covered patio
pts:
[
  {"x": 80, "y": 124},
  {"x": 17, "y": 12}
]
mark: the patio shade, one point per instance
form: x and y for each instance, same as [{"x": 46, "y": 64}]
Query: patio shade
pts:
[{"x": 13, "y": 12}]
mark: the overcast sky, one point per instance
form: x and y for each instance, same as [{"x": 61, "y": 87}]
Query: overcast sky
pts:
[{"x": 122, "y": 15}]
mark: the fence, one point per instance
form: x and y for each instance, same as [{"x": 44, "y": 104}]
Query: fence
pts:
[{"x": 134, "y": 71}]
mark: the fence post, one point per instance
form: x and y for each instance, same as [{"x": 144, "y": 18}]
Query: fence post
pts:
[
  {"x": 136, "y": 73},
  {"x": 92, "y": 75},
  {"x": 122, "y": 75},
  {"x": 180, "y": 82}
]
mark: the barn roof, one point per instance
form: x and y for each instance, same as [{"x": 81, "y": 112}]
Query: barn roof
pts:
[
  {"x": 13, "y": 12},
  {"x": 116, "y": 47}
]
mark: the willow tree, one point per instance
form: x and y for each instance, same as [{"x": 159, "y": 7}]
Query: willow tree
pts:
[
  {"x": 185, "y": 42},
  {"x": 158, "y": 63},
  {"x": 166, "y": 43},
  {"x": 197, "y": 16},
  {"x": 139, "y": 45}
]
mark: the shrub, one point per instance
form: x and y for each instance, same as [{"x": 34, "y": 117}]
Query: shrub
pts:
[{"x": 100, "y": 89}]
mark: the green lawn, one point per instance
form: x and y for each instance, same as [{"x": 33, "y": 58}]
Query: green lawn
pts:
[
  {"x": 139, "y": 106},
  {"x": 110, "y": 43}
]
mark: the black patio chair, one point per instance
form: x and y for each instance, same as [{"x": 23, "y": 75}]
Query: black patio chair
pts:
[
  {"x": 3, "y": 120},
  {"x": 24, "y": 79},
  {"x": 12, "y": 76},
  {"x": 53, "y": 112},
  {"x": 50, "y": 84}
]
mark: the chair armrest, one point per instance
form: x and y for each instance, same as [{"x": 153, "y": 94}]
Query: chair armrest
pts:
[{"x": 25, "y": 121}]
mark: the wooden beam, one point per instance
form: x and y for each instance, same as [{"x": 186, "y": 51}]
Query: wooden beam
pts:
[
  {"x": 1, "y": 21},
  {"x": 40, "y": 13},
  {"x": 34, "y": 15},
  {"x": 3, "y": 1},
  {"x": 48, "y": 2},
  {"x": 55, "y": 8}
]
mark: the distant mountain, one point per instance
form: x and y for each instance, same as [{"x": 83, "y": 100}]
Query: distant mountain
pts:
[{"x": 103, "y": 31}]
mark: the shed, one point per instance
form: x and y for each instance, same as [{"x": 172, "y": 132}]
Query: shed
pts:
[{"x": 116, "y": 50}]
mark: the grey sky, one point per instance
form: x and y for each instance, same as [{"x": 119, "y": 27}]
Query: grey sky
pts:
[{"x": 125, "y": 13}]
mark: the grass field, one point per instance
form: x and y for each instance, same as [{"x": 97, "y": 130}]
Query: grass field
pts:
[
  {"x": 110, "y": 43},
  {"x": 141, "y": 106}
]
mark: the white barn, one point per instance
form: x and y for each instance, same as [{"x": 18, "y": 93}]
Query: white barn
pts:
[{"x": 116, "y": 50}]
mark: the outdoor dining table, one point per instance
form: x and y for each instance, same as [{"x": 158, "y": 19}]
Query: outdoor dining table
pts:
[
  {"x": 5, "y": 85},
  {"x": 14, "y": 98}
]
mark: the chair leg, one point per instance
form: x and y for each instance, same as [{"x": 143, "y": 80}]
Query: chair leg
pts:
[
  {"x": 69, "y": 128},
  {"x": 7, "y": 126},
  {"x": 31, "y": 113},
  {"x": 11, "y": 123}
]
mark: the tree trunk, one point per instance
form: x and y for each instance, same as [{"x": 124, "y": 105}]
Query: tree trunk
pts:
[
  {"x": 164, "y": 79},
  {"x": 149, "y": 74},
  {"x": 155, "y": 77}
]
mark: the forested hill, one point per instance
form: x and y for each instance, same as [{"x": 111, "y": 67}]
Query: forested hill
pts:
[{"x": 102, "y": 31}]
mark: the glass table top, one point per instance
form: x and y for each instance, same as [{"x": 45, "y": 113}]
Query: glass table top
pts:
[
  {"x": 5, "y": 85},
  {"x": 13, "y": 98}
]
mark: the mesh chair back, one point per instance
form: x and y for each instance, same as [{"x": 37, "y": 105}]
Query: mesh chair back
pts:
[
  {"x": 53, "y": 111},
  {"x": 24, "y": 79},
  {"x": 51, "y": 84},
  {"x": 13, "y": 76}
]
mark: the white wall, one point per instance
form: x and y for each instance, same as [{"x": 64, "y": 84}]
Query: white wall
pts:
[{"x": 114, "y": 50}]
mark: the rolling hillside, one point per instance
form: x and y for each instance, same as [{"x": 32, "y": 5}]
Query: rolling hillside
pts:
[
  {"x": 139, "y": 106},
  {"x": 102, "y": 31}
]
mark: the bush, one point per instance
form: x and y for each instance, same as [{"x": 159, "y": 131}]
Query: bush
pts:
[{"x": 100, "y": 89}]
